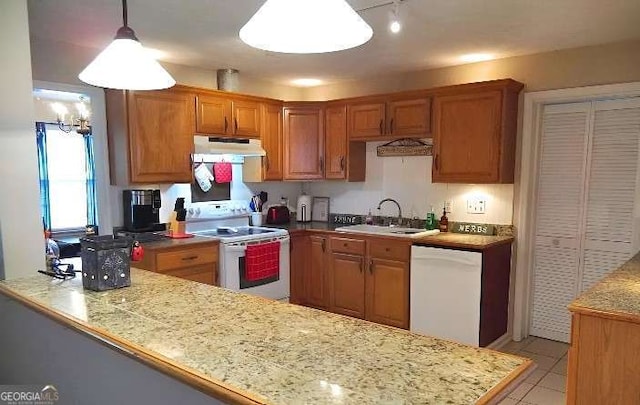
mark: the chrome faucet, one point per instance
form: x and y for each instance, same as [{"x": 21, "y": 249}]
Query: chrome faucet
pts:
[{"x": 398, "y": 205}]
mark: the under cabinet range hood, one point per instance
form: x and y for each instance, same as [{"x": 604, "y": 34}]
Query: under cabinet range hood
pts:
[{"x": 204, "y": 145}]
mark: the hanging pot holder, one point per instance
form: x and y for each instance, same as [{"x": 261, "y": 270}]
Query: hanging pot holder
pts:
[{"x": 223, "y": 172}]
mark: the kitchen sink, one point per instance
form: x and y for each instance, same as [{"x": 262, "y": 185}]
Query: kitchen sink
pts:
[{"x": 386, "y": 230}]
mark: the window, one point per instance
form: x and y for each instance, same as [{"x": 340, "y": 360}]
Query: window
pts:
[{"x": 67, "y": 181}]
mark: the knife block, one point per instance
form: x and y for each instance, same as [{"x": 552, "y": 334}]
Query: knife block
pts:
[{"x": 176, "y": 227}]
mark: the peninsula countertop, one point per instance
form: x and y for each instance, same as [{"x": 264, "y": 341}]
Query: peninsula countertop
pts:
[
  {"x": 617, "y": 295},
  {"x": 245, "y": 349}
]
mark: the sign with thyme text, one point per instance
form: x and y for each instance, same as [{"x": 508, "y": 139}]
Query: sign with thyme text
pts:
[{"x": 473, "y": 229}]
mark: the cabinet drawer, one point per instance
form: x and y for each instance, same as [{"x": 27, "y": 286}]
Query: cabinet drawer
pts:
[
  {"x": 384, "y": 249},
  {"x": 185, "y": 258},
  {"x": 347, "y": 245},
  {"x": 203, "y": 274}
]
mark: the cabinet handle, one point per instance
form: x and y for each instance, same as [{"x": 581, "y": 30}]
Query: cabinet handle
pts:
[
  {"x": 361, "y": 265},
  {"x": 189, "y": 258},
  {"x": 321, "y": 165},
  {"x": 324, "y": 245},
  {"x": 381, "y": 126},
  {"x": 226, "y": 125},
  {"x": 266, "y": 162},
  {"x": 391, "y": 126},
  {"x": 342, "y": 163},
  {"x": 235, "y": 124},
  {"x": 437, "y": 162},
  {"x": 371, "y": 266}
]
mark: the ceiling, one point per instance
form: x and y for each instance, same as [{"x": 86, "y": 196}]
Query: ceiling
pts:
[{"x": 204, "y": 33}]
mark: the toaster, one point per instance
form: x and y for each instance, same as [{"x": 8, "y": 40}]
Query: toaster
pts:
[{"x": 278, "y": 214}]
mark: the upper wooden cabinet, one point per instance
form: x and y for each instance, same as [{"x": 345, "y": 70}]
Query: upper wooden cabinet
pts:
[
  {"x": 150, "y": 136},
  {"x": 272, "y": 141},
  {"x": 336, "y": 142},
  {"x": 390, "y": 119},
  {"x": 227, "y": 116},
  {"x": 474, "y": 133},
  {"x": 303, "y": 142}
]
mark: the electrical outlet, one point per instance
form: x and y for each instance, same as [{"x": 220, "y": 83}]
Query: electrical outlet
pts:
[
  {"x": 476, "y": 206},
  {"x": 448, "y": 206}
]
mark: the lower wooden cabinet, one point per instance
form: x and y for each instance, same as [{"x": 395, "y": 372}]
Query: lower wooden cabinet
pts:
[
  {"x": 317, "y": 293},
  {"x": 366, "y": 278},
  {"x": 603, "y": 360},
  {"x": 387, "y": 290},
  {"x": 191, "y": 261}
]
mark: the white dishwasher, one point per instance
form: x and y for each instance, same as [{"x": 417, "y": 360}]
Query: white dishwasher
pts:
[{"x": 445, "y": 293}]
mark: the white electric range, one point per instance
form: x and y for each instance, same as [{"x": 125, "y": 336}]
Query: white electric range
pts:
[{"x": 228, "y": 222}]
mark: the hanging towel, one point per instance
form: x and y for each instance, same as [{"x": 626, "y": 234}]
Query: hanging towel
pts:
[
  {"x": 262, "y": 261},
  {"x": 223, "y": 172}
]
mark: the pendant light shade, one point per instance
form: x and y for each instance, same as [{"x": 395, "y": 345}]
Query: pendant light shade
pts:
[
  {"x": 126, "y": 65},
  {"x": 305, "y": 26}
]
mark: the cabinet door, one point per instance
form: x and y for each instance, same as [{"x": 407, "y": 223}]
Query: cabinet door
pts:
[
  {"x": 387, "y": 292},
  {"x": 207, "y": 274},
  {"x": 347, "y": 284},
  {"x": 366, "y": 120},
  {"x": 336, "y": 143},
  {"x": 466, "y": 137},
  {"x": 246, "y": 119},
  {"x": 299, "y": 246},
  {"x": 160, "y": 136},
  {"x": 213, "y": 115},
  {"x": 303, "y": 143},
  {"x": 316, "y": 286},
  {"x": 410, "y": 117},
  {"x": 272, "y": 141}
]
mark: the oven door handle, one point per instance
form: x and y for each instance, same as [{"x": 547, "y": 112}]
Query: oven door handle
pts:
[{"x": 237, "y": 248}]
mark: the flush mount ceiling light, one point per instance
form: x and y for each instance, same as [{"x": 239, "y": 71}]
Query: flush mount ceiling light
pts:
[
  {"x": 305, "y": 26},
  {"x": 125, "y": 64},
  {"x": 476, "y": 57},
  {"x": 306, "y": 82}
]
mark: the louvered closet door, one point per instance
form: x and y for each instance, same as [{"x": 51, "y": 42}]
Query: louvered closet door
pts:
[
  {"x": 611, "y": 184},
  {"x": 558, "y": 204}
]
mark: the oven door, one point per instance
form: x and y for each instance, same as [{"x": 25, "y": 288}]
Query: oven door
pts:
[{"x": 233, "y": 269}]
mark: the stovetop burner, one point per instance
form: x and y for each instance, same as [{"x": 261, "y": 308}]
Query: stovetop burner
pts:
[{"x": 231, "y": 232}]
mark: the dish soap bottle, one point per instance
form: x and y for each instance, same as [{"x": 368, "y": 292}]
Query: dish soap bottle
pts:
[
  {"x": 369, "y": 218},
  {"x": 444, "y": 221},
  {"x": 431, "y": 220}
]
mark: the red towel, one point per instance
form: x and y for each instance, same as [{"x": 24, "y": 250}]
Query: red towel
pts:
[
  {"x": 223, "y": 172},
  {"x": 262, "y": 261}
]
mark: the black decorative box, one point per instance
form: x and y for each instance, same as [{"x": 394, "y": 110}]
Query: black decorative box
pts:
[{"x": 105, "y": 262}]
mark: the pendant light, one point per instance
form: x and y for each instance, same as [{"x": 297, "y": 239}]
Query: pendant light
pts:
[
  {"x": 305, "y": 26},
  {"x": 125, "y": 64}
]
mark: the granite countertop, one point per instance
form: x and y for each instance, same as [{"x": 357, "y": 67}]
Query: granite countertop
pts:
[
  {"x": 617, "y": 295},
  {"x": 248, "y": 349},
  {"x": 462, "y": 240},
  {"x": 447, "y": 239}
]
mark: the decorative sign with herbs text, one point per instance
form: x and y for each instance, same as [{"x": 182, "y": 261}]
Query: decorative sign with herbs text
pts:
[{"x": 474, "y": 229}]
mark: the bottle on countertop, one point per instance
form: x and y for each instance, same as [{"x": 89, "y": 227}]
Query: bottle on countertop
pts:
[
  {"x": 431, "y": 220},
  {"x": 369, "y": 218},
  {"x": 444, "y": 221}
]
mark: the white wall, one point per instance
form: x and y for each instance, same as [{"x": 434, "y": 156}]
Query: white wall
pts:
[
  {"x": 408, "y": 180},
  {"x": 21, "y": 231},
  {"x": 239, "y": 191}
]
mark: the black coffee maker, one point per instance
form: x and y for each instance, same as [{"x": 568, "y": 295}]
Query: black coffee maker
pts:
[{"x": 141, "y": 210}]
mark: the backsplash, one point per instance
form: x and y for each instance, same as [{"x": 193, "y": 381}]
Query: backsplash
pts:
[{"x": 408, "y": 180}]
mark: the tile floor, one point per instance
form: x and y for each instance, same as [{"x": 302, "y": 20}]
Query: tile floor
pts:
[{"x": 546, "y": 385}]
